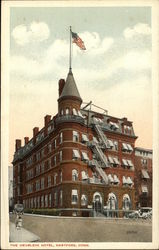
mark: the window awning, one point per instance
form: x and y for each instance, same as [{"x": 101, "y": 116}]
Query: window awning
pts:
[
  {"x": 110, "y": 178},
  {"x": 85, "y": 156},
  {"x": 144, "y": 189},
  {"x": 76, "y": 153},
  {"x": 124, "y": 162},
  {"x": 129, "y": 147},
  {"x": 130, "y": 163},
  {"x": 74, "y": 192},
  {"x": 74, "y": 172},
  {"x": 129, "y": 181},
  {"x": 124, "y": 146},
  {"x": 84, "y": 138},
  {"x": 116, "y": 161},
  {"x": 116, "y": 180},
  {"x": 75, "y": 133},
  {"x": 75, "y": 112},
  {"x": 145, "y": 174},
  {"x": 110, "y": 143},
  {"x": 124, "y": 180},
  {"x": 110, "y": 159}
]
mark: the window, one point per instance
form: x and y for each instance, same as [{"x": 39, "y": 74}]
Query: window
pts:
[
  {"x": 144, "y": 189},
  {"x": 49, "y": 181},
  {"x": 61, "y": 112},
  {"x": 37, "y": 169},
  {"x": 55, "y": 160},
  {"x": 84, "y": 200},
  {"x": 74, "y": 175},
  {"x": 145, "y": 174},
  {"x": 74, "y": 111},
  {"x": 46, "y": 200},
  {"x": 113, "y": 125},
  {"x": 34, "y": 202},
  {"x": 60, "y": 176},
  {"x": 61, "y": 197},
  {"x": 50, "y": 200},
  {"x": 55, "y": 198},
  {"x": 74, "y": 196},
  {"x": 49, "y": 148},
  {"x": 42, "y": 183},
  {"x": 38, "y": 156},
  {"x": 61, "y": 137},
  {"x": 67, "y": 111},
  {"x": 38, "y": 201},
  {"x": 95, "y": 139},
  {"x": 29, "y": 188},
  {"x": 42, "y": 201},
  {"x": 42, "y": 167},
  {"x": 84, "y": 175},
  {"x": 144, "y": 161},
  {"x": 55, "y": 178},
  {"x": 75, "y": 136},
  {"x": 76, "y": 154},
  {"x": 55, "y": 143},
  {"x": 60, "y": 155},
  {"x": 126, "y": 147},
  {"x": 37, "y": 185},
  {"x": 115, "y": 145},
  {"x": 111, "y": 179},
  {"x": 49, "y": 163},
  {"x": 85, "y": 157},
  {"x": 84, "y": 138},
  {"x": 116, "y": 179},
  {"x": 43, "y": 152}
]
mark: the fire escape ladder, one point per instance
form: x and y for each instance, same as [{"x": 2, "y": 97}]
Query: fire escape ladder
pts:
[
  {"x": 100, "y": 171},
  {"x": 97, "y": 150},
  {"x": 102, "y": 136}
]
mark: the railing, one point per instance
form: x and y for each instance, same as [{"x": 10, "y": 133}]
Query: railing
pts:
[{"x": 70, "y": 118}]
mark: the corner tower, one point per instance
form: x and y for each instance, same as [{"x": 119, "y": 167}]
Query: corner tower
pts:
[{"x": 69, "y": 101}]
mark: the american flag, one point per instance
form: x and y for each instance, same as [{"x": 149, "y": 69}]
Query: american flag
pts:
[{"x": 78, "y": 41}]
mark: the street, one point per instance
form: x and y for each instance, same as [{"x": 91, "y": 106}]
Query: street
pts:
[{"x": 66, "y": 229}]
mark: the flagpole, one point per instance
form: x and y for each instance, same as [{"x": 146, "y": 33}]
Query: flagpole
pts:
[{"x": 70, "y": 56}]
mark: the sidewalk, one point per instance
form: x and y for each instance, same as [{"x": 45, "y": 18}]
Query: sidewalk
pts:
[{"x": 21, "y": 235}]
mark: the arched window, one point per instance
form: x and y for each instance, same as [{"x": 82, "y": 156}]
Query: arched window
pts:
[
  {"x": 112, "y": 204},
  {"x": 84, "y": 200},
  {"x": 74, "y": 175},
  {"x": 61, "y": 112},
  {"x": 126, "y": 202},
  {"x": 67, "y": 111}
]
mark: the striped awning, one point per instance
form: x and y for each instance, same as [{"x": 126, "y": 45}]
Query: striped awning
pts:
[{"x": 145, "y": 174}]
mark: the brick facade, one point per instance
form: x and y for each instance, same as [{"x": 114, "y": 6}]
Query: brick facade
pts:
[{"x": 62, "y": 167}]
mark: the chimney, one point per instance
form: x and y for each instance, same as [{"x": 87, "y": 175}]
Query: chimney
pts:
[
  {"x": 17, "y": 144},
  {"x": 61, "y": 85},
  {"x": 47, "y": 119},
  {"x": 26, "y": 140},
  {"x": 35, "y": 131}
]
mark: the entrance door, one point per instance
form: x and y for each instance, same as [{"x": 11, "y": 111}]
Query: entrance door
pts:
[{"x": 97, "y": 204}]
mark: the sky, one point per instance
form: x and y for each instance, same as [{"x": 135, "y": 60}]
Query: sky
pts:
[{"x": 114, "y": 71}]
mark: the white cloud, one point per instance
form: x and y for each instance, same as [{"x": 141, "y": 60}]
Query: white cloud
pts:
[
  {"x": 35, "y": 32},
  {"x": 138, "y": 29}
]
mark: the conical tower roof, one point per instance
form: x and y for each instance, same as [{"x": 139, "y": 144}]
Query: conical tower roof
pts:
[{"x": 70, "y": 87}]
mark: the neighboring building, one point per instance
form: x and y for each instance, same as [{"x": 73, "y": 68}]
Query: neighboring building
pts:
[
  {"x": 80, "y": 159},
  {"x": 10, "y": 189},
  {"x": 143, "y": 177}
]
